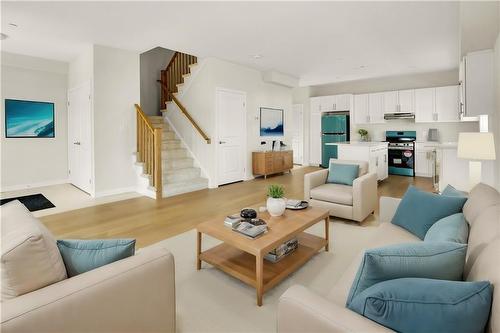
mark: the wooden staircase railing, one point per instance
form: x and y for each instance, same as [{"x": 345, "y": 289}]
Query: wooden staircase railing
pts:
[
  {"x": 149, "y": 146},
  {"x": 173, "y": 76}
]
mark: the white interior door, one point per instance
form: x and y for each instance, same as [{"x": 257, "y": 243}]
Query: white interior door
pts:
[
  {"x": 298, "y": 133},
  {"x": 79, "y": 136},
  {"x": 231, "y": 127}
]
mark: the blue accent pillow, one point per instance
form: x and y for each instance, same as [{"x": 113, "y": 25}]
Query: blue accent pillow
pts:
[
  {"x": 451, "y": 228},
  {"x": 425, "y": 305},
  {"x": 453, "y": 192},
  {"x": 419, "y": 210},
  {"x": 433, "y": 260},
  {"x": 80, "y": 256},
  {"x": 342, "y": 173}
]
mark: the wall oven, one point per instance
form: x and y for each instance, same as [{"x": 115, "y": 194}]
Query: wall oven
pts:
[{"x": 401, "y": 152}]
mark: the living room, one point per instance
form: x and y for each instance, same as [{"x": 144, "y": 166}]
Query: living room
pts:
[{"x": 133, "y": 158}]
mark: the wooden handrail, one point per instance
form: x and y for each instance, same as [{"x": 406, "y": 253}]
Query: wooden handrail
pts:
[
  {"x": 191, "y": 120},
  {"x": 149, "y": 147},
  {"x": 171, "y": 77}
]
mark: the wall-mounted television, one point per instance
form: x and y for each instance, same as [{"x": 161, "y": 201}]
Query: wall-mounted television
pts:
[
  {"x": 29, "y": 119},
  {"x": 271, "y": 123}
]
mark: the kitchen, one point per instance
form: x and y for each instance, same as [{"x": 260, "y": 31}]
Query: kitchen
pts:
[{"x": 412, "y": 132}]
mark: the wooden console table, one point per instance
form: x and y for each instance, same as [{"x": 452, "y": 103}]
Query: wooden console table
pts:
[{"x": 269, "y": 162}]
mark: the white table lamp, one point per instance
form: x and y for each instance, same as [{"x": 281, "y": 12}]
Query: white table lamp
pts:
[{"x": 476, "y": 147}]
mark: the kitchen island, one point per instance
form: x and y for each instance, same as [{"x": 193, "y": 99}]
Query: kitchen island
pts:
[{"x": 373, "y": 152}]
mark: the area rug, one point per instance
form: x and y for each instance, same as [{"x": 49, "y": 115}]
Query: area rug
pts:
[
  {"x": 211, "y": 301},
  {"x": 33, "y": 202}
]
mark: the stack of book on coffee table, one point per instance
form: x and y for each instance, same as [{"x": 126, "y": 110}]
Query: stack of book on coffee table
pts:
[{"x": 283, "y": 250}]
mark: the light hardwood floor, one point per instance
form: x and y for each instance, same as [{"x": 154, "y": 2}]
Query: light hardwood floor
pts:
[{"x": 150, "y": 221}]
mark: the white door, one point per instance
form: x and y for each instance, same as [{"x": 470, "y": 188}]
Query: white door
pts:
[
  {"x": 315, "y": 139},
  {"x": 231, "y": 127},
  {"x": 375, "y": 107},
  {"x": 79, "y": 137},
  {"x": 361, "y": 109},
  {"x": 297, "y": 125},
  {"x": 424, "y": 105},
  {"x": 406, "y": 99},
  {"x": 391, "y": 102},
  {"x": 447, "y": 103}
]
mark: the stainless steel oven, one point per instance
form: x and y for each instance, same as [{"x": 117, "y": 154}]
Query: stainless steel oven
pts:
[{"x": 401, "y": 152}]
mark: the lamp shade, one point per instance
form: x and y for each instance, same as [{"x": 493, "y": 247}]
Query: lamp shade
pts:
[{"x": 476, "y": 146}]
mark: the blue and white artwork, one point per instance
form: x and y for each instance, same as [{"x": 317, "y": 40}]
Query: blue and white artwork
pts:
[
  {"x": 271, "y": 122},
  {"x": 28, "y": 119}
]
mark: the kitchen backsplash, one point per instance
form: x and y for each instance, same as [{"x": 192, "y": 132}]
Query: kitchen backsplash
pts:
[{"x": 448, "y": 132}]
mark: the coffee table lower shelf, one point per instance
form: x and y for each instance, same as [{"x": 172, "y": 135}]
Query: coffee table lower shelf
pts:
[{"x": 242, "y": 265}]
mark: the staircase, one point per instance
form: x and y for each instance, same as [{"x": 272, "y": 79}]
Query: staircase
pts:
[{"x": 177, "y": 173}]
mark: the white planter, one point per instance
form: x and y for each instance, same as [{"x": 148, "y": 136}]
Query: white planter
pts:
[{"x": 276, "y": 207}]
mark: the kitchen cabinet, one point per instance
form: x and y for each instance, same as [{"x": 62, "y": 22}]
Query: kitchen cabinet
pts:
[
  {"x": 327, "y": 103},
  {"x": 447, "y": 104},
  {"x": 375, "y": 153},
  {"x": 425, "y": 105},
  {"x": 376, "y": 108},
  {"x": 315, "y": 139},
  {"x": 390, "y": 102},
  {"x": 361, "y": 109},
  {"x": 342, "y": 102},
  {"x": 424, "y": 158},
  {"x": 399, "y": 101},
  {"x": 477, "y": 83},
  {"x": 331, "y": 103}
]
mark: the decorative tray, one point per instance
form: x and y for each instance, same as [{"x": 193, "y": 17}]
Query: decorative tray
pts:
[{"x": 303, "y": 205}]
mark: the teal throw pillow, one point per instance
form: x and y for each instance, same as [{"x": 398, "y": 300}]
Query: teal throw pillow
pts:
[
  {"x": 419, "y": 210},
  {"x": 342, "y": 173},
  {"x": 451, "y": 228},
  {"x": 433, "y": 260},
  {"x": 80, "y": 256},
  {"x": 424, "y": 305},
  {"x": 453, "y": 192}
]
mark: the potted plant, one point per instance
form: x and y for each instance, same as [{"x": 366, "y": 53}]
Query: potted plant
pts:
[
  {"x": 276, "y": 203},
  {"x": 363, "y": 133}
]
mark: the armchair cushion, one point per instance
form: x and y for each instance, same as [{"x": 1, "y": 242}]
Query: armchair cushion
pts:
[
  {"x": 336, "y": 193},
  {"x": 342, "y": 173}
]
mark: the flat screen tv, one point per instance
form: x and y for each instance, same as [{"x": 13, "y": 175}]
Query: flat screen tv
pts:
[
  {"x": 29, "y": 119},
  {"x": 271, "y": 123}
]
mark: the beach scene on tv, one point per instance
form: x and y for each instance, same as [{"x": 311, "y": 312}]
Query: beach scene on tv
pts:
[
  {"x": 29, "y": 119},
  {"x": 271, "y": 122}
]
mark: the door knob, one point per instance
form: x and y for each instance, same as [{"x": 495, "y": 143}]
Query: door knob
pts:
[
  {"x": 222, "y": 142},
  {"x": 76, "y": 143}
]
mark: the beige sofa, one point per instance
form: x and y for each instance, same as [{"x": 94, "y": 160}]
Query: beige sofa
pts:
[
  {"x": 354, "y": 202},
  {"x": 301, "y": 310},
  {"x": 136, "y": 294}
]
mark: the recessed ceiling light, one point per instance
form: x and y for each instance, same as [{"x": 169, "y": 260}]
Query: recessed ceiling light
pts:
[
  {"x": 3, "y": 36},
  {"x": 362, "y": 66},
  {"x": 13, "y": 25},
  {"x": 257, "y": 56}
]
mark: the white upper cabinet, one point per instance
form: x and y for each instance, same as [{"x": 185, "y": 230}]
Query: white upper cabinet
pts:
[
  {"x": 406, "y": 101},
  {"x": 342, "y": 102},
  {"x": 425, "y": 105},
  {"x": 447, "y": 104},
  {"x": 477, "y": 76},
  {"x": 360, "y": 110},
  {"x": 391, "y": 102},
  {"x": 331, "y": 103},
  {"x": 327, "y": 103},
  {"x": 376, "y": 108}
]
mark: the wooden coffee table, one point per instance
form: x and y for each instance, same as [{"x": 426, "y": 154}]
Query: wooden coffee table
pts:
[{"x": 243, "y": 258}]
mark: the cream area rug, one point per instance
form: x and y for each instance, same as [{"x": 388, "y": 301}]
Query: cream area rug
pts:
[{"x": 211, "y": 301}]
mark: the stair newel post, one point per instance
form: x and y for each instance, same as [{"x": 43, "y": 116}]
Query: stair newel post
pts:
[{"x": 157, "y": 163}]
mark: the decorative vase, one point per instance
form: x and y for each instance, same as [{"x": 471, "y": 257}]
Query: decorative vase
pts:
[{"x": 276, "y": 206}]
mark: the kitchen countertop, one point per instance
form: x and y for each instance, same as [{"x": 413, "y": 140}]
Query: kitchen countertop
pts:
[
  {"x": 358, "y": 143},
  {"x": 439, "y": 145}
]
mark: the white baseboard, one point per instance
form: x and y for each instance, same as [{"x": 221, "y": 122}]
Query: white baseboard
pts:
[
  {"x": 33, "y": 185},
  {"x": 115, "y": 191}
]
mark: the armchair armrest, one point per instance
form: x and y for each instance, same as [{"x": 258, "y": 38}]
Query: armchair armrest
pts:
[
  {"x": 312, "y": 180},
  {"x": 300, "y": 310},
  {"x": 364, "y": 196},
  {"x": 136, "y": 294},
  {"x": 388, "y": 207}
]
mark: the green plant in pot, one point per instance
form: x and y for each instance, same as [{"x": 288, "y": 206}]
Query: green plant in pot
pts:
[
  {"x": 363, "y": 134},
  {"x": 276, "y": 203}
]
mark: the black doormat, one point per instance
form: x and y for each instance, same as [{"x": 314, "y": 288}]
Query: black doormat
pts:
[{"x": 33, "y": 202}]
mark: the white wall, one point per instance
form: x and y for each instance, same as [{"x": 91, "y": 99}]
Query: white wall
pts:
[
  {"x": 116, "y": 89},
  {"x": 496, "y": 117},
  {"x": 34, "y": 162},
  {"x": 81, "y": 69},
  {"x": 199, "y": 100}
]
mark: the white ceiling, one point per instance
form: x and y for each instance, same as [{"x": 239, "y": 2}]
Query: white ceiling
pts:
[{"x": 318, "y": 42}]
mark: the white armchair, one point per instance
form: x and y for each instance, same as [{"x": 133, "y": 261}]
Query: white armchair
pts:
[{"x": 354, "y": 202}]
